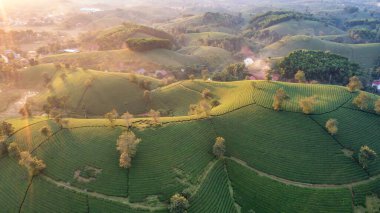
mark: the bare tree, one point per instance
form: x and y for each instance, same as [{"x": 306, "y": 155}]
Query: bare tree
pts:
[{"x": 45, "y": 131}]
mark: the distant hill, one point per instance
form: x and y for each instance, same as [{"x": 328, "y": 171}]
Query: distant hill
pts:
[
  {"x": 366, "y": 55},
  {"x": 115, "y": 37},
  {"x": 273, "y": 25},
  {"x": 109, "y": 18},
  {"x": 208, "y": 22},
  {"x": 126, "y": 60}
]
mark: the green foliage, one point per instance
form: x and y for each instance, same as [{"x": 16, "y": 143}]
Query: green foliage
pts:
[
  {"x": 219, "y": 147},
  {"x": 146, "y": 44},
  {"x": 6, "y": 129},
  {"x": 366, "y": 155},
  {"x": 127, "y": 146},
  {"x": 3, "y": 148},
  {"x": 232, "y": 72},
  {"x": 275, "y": 17},
  {"x": 279, "y": 99},
  {"x": 332, "y": 126},
  {"x": 354, "y": 84},
  {"x": 362, "y": 101},
  {"x": 178, "y": 204},
  {"x": 300, "y": 76},
  {"x": 115, "y": 37},
  {"x": 45, "y": 131},
  {"x": 377, "y": 106},
  {"x": 363, "y": 35},
  {"x": 317, "y": 65},
  {"x": 307, "y": 104},
  {"x": 13, "y": 150},
  {"x": 33, "y": 164},
  {"x": 111, "y": 117}
]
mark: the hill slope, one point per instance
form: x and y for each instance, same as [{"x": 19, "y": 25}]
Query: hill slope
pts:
[
  {"x": 126, "y": 60},
  {"x": 366, "y": 55},
  {"x": 271, "y": 156}
]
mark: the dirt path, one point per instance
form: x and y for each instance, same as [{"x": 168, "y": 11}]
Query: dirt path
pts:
[
  {"x": 13, "y": 109},
  {"x": 122, "y": 200},
  {"x": 300, "y": 184}
]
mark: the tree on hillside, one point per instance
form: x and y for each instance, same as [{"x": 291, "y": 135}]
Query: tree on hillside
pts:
[
  {"x": 362, "y": 101},
  {"x": 45, "y": 131},
  {"x": 322, "y": 66},
  {"x": 268, "y": 75},
  {"x": 205, "y": 74},
  {"x": 111, "y": 117},
  {"x": 366, "y": 155},
  {"x": 58, "y": 66},
  {"x": 307, "y": 104},
  {"x": 206, "y": 94},
  {"x": 279, "y": 99},
  {"x": 377, "y": 106},
  {"x": 300, "y": 76},
  {"x": 233, "y": 72},
  {"x": 178, "y": 204},
  {"x": 147, "y": 96},
  {"x": 219, "y": 147},
  {"x": 155, "y": 116},
  {"x": 6, "y": 129},
  {"x": 46, "y": 78},
  {"x": 13, "y": 150},
  {"x": 355, "y": 84},
  {"x": 33, "y": 164},
  {"x": 127, "y": 146},
  {"x": 332, "y": 126},
  {"x": 3, "y": 148},
  {"x": 89, "y": 83},
  {"x": 127, "y": 117},
  {"x": 26, "y": 111},
  {"x": 63, "y": 76}
]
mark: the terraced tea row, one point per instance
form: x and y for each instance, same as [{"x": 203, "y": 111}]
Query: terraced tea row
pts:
[
  {"x": 259, "y": 194},
  {"x": 287, "y": 145}
]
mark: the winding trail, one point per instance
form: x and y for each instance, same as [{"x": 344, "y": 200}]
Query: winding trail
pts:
[
  {"x": 13, "y": 109},
  {"x": 123, "y": 200},
  {"x": 300, "y": 184}
]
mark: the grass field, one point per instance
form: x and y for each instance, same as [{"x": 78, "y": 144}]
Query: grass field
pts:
[
  {"x": 303, "y": 27},
  {"x": 275, "y": 161},
  {"x": 126, "y": 60},
  {"x": 366, "y": 55}
]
